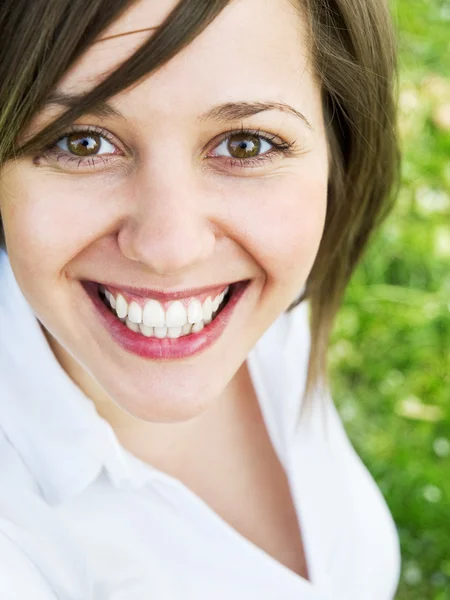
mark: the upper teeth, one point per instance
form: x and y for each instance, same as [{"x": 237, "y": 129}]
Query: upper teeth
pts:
[{"x": 178, "y": 314}]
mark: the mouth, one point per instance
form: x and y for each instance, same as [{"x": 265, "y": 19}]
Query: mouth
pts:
[
  {"x": 165, "y": 330},
  {"x": 162, "y": 320}
]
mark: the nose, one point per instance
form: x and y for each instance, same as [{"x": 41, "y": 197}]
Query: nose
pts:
[{"x": 167, "y": 226}]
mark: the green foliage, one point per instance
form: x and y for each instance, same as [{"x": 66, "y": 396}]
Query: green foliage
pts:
[{"x": 390, "y": 354}]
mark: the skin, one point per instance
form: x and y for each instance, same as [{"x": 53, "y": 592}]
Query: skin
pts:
[{"x": 166, "y": 212}]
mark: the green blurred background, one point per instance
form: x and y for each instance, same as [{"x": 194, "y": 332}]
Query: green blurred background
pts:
[{"x": 390, "y": 354}]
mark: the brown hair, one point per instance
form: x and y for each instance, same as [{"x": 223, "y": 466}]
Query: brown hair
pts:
[{"x": 353, "y": 56}]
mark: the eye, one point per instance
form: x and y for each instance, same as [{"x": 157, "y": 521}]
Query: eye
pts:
[
  {"x": 243, "y": 145},
  {"x": 84, "y": 143}
]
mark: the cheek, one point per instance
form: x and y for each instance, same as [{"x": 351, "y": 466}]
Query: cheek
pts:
[
  {"x": 281, "y": 224},
  {"x": 47, "y": 223},
  {"x": 46, "y": 226}
]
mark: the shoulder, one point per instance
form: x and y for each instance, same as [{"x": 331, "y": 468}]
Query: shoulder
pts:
[
  {"x": 12, "y": 467},
  {"x": 38, "y": 549},
  {"x": 19, "y": 577},
  {"x": 40, "y": 557}
]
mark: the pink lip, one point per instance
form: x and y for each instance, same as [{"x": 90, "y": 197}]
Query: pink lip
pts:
[
  {"x": 165, "y": 349},
  {"x": 166, "y": 296}
]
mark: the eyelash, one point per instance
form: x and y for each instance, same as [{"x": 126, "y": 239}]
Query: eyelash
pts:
[{"x": 278, "y": 148}]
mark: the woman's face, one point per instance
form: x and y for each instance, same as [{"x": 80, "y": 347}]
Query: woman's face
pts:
[{"x": 165, "y": 193}]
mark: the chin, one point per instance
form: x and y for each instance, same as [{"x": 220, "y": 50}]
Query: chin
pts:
[{"x": 166, "y": 404}]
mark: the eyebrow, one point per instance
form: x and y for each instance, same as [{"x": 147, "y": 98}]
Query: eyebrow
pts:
[
  {"x": 229, "y": 111},
  {"x": 234, "y": 111}
]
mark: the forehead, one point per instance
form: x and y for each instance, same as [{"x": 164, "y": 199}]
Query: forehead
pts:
[{"x": 259, "y": 44}]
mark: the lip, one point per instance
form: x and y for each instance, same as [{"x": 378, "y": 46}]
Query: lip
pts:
[
  {"x": 166, "y": 296},
  {"x": 165, "y": 349}
]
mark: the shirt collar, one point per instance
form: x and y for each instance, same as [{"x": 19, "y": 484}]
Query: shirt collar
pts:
[{"x": 56, "y": 429}]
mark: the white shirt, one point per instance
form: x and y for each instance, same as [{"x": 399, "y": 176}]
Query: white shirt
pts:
[{"x": 81, "y": 518}]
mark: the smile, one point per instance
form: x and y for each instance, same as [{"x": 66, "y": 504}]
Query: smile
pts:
[
  {"x": 165, "y": 327},
  {"x": 152, "y": 318}
]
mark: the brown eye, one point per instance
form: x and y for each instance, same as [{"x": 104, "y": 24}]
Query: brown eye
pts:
[
  {"x": 86, "y": 143},
  {"x": 83, "y": 145},
  {"x": 243, "y": 145}
]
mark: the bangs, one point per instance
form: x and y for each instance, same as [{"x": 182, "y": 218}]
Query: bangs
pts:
[{"x": 185, "y": 22}]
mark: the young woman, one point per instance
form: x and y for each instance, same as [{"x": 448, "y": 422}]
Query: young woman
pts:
[{"x": 185, "y": 190}]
